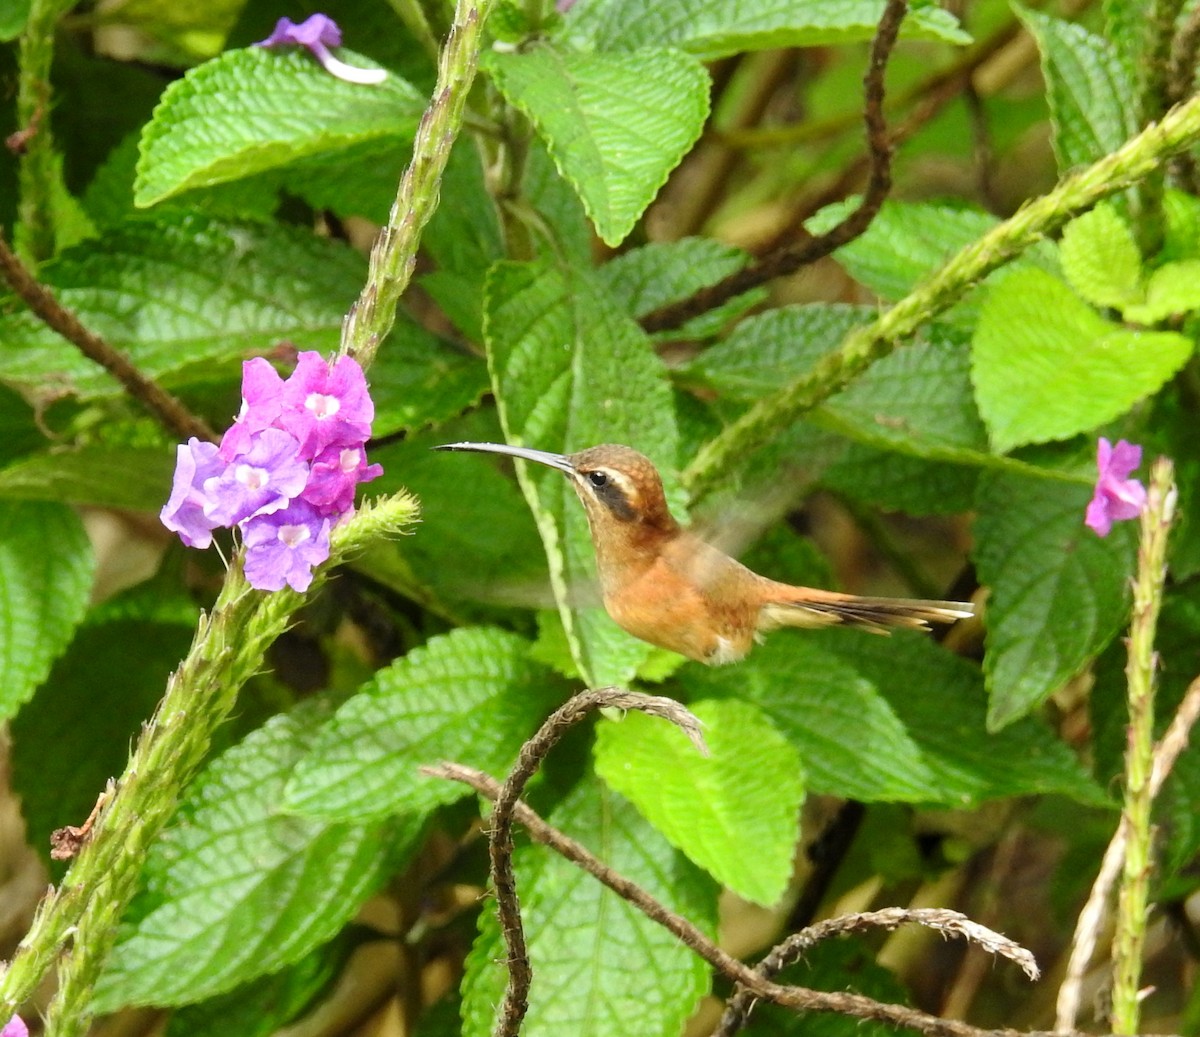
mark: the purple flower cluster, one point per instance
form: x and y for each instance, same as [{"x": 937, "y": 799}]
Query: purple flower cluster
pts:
[
  {"x": 1117, "y": 497},
  {"x": 285, "y": 472}
]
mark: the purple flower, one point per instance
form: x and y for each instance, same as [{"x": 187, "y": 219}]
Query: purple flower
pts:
[
  {"x": 326, "y": 406},
  {"x": 186, "y": 513},
  {"x": 318, "y": 33},
  {"x": 15, "y": 1027},
  {"x": 336, "y": 471},
  {"x": 1117, "y": 497},
  {"x": 283, "y": 547},
  {"x": 262, "y": 400},
  {"x": 263, "y": 479}
]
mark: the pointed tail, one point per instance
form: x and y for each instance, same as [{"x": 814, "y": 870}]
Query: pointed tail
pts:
[{"x": 808, "y": 607}]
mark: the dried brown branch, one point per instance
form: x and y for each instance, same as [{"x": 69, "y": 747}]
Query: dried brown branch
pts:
[
  {"x": 1091, "y": 918},
  {"x": 737, "y": 972},
  {"x": 809, "y": 249},
  {"x": 500, "y": 843},
  {"x": 166, "y": 408}
]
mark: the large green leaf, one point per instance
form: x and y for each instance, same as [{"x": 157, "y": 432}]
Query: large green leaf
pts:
[
  {"x": 240, "y": 889},
  {"x": 1100, "y": 259},
  {"x": 747, "y": 792},
  {"x": 251, "y": 110},
  {"x": 182, "y": 293},
  {"x": 470, "y": 696},
  {"x": 137, "y": 478},
  {"x": 1059, "y": 593},
  {"x": 597, "y": 961},
  {"x": 571, "y": 370},
  {"x": 1092, "y": 103},
  {"x": 1047, "y": 366},
  {"x": 715, "y": 28},
  {"x": 615, "y": 124},
  {"x": 46, "y": 567}
]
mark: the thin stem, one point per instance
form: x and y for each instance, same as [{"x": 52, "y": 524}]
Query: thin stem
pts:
[
  {"x": 1179, "y": 129},
  {"x": 1153, "y": 99},
  {"x": 38, "y": 166},
  {"x": 1130, "y": 937},
  {"x": 412, "y": 14},
  {"x": 75, "y": 926},
  {"x": 395, "y": 253},
  {"x": 173, "y": 415}
]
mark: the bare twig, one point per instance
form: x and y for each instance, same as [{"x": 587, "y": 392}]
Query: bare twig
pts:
[
  {"x": 738, "y": 972},
  {"x": 1087, "y": 928},
  {"x": 165, "y": 407},
  {"x": 949, "y": 923},
  {"x": 808, "y": 249},
  {"x": 500, "y": 844}
]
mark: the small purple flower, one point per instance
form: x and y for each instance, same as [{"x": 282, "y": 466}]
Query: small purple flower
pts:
[
  {"x": 336, "y": 471},
  {"x": 15, "y": 1027},
  {"x": 263, "y": 479},
  {"x": 327, "y": 406},
  {"x": 185, "y": 513},
  {"x": 262, "y": 400},
  {"x": 285, "y": 546},
  {"x": 1117, "y": 497},
  {"x": 318, "y": 33}
]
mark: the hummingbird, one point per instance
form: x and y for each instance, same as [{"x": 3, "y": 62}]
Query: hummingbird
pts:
[{"x": 663, "y": 584}]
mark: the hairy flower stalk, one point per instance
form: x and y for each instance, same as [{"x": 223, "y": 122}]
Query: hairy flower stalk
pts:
[
  {"x": 1129, "y": 939},
  {"x": 228, "y": 648}
]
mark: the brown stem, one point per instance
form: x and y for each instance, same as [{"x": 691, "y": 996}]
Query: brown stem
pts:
[
  {"x": 808, "y": 249},
  {"x": 500, "y": 843},
  {"x": 165, "y": 407}
]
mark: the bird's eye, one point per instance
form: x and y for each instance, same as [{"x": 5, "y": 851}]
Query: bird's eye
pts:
[{"x": 598, "y": 479}]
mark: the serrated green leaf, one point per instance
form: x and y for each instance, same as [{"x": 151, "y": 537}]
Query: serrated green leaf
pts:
[
  {"x": 1046, "y": 366},
  {"x": 46, "y": 568},
  {"x": 180, "y": 293},
  {"x": 570, "y": 370},
  {"x": 597, "y": 961},
  {"x": 1172, "y": 289},
  {"x": 716, "y": 28},
  {"x": 615, "y": 124},
  {"x": 1181, "y": 231},
  {"x": 471, "y": 696},
  {"x": 1092, "y": 102},
  {"x": 897, "y": 482},
  {"x": 1059, "y": 593},
  {"x": 653, "y": 275},
  {"x": 250, "y": 110},
  {"x": 137, "y": 478},
  {"x": 747, "y": 792},
  {"x": 829, "y": 713},
  {"x": 242, "y": 888},
  {"x": 940, "y": 700},
  {"x": 1100, "y": 259},
  {"x": 76, "y": 732}
]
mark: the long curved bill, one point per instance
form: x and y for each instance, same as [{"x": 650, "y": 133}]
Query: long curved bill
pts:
[{"x": 559, "y": 461}]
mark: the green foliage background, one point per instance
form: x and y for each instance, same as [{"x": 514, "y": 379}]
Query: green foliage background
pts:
[{"x": 203, "y": 201}]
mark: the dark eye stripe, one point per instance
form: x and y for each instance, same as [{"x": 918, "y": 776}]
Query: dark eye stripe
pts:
[{"x": 609, "y": 492}]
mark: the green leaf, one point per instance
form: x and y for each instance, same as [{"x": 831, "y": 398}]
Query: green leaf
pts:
[
  {"x": 828, "y": 712},
  {"x": 1092, "y": 102},
  {"x": 1046, "y": 366},
  {"x": 241, "y": 889},
  {"x": 102, "y": 475},
  {"x": 12, "y": 19},
  {"x": 597, "y": 961},
  {"x": 470, "y": 696},
  {"x": 897, "y": 482},
  {"x": 46, "y": 568},
  {"x": 1100, "y": 258},
  {"x": 570, "y": 370},
  {"x": 251, "y": 110},
  {"x": 76, "y": 732},
  {"x": 746, "y": 793},
  {"x": 716, "y": 28},
  {"x": 1059, "y": 593},
  {"x": 1172, "y": 289},
  {"x": 645, "y": 278},
  {"x": 615, "y": 124},
  {"x": 180, "y": 293}
]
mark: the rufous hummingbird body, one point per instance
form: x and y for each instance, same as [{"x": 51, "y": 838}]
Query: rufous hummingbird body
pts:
[{"x": 663, "y": 584}]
